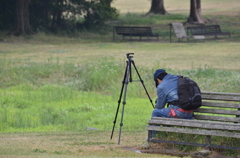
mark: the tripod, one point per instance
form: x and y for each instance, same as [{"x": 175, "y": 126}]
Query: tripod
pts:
[{"x": 127, "y": 78}]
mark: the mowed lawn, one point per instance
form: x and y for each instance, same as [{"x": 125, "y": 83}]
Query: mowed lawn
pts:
[
  {"x": 219, "y": 55},
  {"x": 174, "y": 6}
]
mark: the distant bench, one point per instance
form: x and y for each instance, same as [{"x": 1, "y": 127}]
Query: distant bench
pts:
[
  {"x": 132, "y": 31},
  {"x": 180, "y": 33},
  {"x": 219, "y": 116},
  {"x": 207, "y": 30}
]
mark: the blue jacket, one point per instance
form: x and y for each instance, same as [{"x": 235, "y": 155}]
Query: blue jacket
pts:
[{"x": 167, "y": 91}]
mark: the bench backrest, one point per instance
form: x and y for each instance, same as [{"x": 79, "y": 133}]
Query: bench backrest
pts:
[
  {"x": 142, "y": 30},
  {"x": 131, "y": 30},
  {"x": 196, "y": 30},
  {"x": 121, "y": 30},
  {"x": 204, "y": 29},
  {"x": 179, "y": 30},
  {"x": 212, "y": 28},
  {"x": 221, "y": 107}
]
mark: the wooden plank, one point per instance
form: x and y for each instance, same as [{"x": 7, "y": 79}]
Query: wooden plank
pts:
[
  {"x": 189, "y": 121},
  {"x": 194, "y": 131},
  {"x": 218, "y": 111},
  {"x": 195, "y": 123},
  {"x": 221, "y": 96},
  {"x": 221, "y": 105},
  {"x": 217, "y": 118},
  {"x": 199, "y": 37},
  {"x": 179, "y": 30}
]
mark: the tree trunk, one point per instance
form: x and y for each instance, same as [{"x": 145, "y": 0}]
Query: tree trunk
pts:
[
  {"x": 57, "y": 14},
  {"x": 157, "y": 7},
  {"x": 195, "y": 12},
  {"x": 22, "y": 25}
]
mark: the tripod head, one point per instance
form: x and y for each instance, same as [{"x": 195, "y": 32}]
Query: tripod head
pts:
[{"x": 129, "y": 55}]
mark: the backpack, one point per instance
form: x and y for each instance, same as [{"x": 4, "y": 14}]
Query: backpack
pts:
[{"x": 189, "y": 94}]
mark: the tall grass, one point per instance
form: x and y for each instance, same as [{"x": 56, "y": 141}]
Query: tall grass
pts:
[{"x": 71, "y": 97}]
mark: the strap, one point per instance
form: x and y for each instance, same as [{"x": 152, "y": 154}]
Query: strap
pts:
[
  {"x": 185, "y": 111},
  {"x": 172, "y": 113},
  {"x": 174, "y": 102}
]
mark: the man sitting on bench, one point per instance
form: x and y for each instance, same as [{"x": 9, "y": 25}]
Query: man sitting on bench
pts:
[{"x": 167, "y": 91}]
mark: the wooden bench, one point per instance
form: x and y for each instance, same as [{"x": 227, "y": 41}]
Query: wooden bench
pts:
[
  {"x": 218, "y": 117},
  {"x": 208, "y": 30},
  {"x": 132, "y": 31},
  {"x": 180, "y": 33}
]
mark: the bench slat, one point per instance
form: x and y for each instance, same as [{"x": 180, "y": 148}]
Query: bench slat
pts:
[
  {"x": 217, "y": 118},
  {"x": 224, "y": 98},
  {"x": 194, "y": 131},
  {"x": 221, "y": 105},
  {"x": 221, "y": 96},
  {"x": 132, "y": 31},
  {"x": 217, "y": 111},
  {"x": 195, "y": 124}
]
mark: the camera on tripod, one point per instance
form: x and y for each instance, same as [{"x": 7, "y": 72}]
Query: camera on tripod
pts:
[{"x": 129, "y": 55}]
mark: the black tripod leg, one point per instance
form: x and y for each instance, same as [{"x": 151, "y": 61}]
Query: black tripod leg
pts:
[
  {"x": 142, "y": 83},
  {"x": 130, "y": 70},
  {"x": 124, "y": 99},
  {"x": 119, "y": 101}
]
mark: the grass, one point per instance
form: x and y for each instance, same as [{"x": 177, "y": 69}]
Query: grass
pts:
[
  {"x": 71, "y": 144},
  {"x": 53, "y": 94},
  {"x": 53, "y": 87},
  {"x": 43, "y": 97},
  {"x": 172, "y": 6},
  {"x": 146, "y": 54}
]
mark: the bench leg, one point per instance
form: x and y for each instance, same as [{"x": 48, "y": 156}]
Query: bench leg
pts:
[
  {"x": 170, "y": 33},
  {"x": 113, "y": 35},
  {"x": 208, "y": 142},
  {"x": 149, "y": 136}
]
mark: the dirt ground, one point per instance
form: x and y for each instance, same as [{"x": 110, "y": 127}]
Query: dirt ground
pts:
[
  {"x": 85, "y": 144},
  {"x": 68, "y": 144}
]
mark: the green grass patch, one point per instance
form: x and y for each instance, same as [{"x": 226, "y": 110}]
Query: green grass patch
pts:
[{"x": 69, "y": 97}]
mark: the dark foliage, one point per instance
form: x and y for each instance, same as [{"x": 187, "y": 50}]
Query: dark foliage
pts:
[
  {"x": 7, "y": 14},
  {"x": 54, "y": 15}
]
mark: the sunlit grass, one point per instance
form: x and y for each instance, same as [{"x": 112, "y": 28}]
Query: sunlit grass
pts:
[
  {"x": 52, "y": 96},
  {"x": 59, "y": 109}
]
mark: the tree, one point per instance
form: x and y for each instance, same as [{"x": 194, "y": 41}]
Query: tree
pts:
[
  {"x": 22, "y": 25},
  {"x": 157, "y": 7},
  {"x": 7, "y": 14},
  {"x": 20, "y": 17},
  {"x": 106, "y": 2},
  {"x": 97, "y": 13},
  {"x": 195, "y": 12}
]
